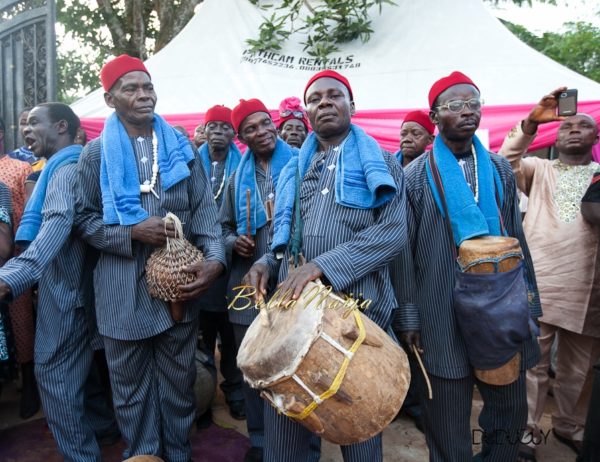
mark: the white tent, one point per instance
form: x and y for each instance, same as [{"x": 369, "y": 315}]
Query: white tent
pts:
[{"x": 414, "y": 44}]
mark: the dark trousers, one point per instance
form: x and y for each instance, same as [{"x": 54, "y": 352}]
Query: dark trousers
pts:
[
  {"x": 447, "y": 420},
  {"x": 213, "y": 323}
]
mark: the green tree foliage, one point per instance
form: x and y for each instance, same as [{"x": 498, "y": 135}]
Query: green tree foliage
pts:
[
  {"x": 112, "y": 27},
  {"x": 328, "y": 24},
  {"x": 578, "y": 48}
]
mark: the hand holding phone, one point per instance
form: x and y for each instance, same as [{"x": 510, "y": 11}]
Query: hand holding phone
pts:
[{"x": 567, "y": 102}]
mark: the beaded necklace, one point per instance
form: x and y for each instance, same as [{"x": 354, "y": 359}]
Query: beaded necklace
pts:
[{"x": 147, "y": 188}]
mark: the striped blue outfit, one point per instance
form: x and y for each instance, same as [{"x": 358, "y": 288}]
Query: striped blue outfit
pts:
[
  {"x": 66, "y": 335},
  {"x": 353, "y": 247},
  {"x": 427, "y": 294},
  {"x": 150, "y": 358}
]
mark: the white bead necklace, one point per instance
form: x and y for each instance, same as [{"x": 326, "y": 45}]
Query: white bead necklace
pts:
[
  {"x": 476, "y": 177},
  {"x": 147, "y": 188}
]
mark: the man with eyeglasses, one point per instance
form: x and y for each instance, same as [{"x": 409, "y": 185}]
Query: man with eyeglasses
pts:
[
  {"x": 220, "y": 157},
  {"x": 565, "y": 249},
  {"x": 293, "y": 123},
  {"x": 470, "y": 178}
]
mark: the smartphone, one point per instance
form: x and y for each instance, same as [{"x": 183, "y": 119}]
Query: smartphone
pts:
[{"x": 567, "y": 102}]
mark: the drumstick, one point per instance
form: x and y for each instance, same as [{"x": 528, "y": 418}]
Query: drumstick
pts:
[
  {"x": 248, "y": 223},
  {"x": 423, "y": 370}
]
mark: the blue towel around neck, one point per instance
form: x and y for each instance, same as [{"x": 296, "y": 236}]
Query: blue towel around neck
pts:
[
  {"x": 398, "y": 155},
  {"x": 362, "y": 179},
  {"x": 32, "y": 216},
  {"x": 468, "y": 218},
  {"x": 245, "y": 178},
  {"x": 119, "y": 179},
  {"x": 231, "y": 163}
]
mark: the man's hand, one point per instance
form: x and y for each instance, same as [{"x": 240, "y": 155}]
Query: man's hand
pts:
[
  {"x": 408, "y": 338},
  {"x": 543, "y": 112},
  {"x": 257, "y": 277},
  {"x": 206, "y": 272},
  {"x": 244, "y": 246},
  {"x": 292, "y": 287},
  {"x": 4, "y": 289},
  {"x": 153, "y": 231}
]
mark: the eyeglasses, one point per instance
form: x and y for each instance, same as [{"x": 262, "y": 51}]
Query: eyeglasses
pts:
[
  {"x": 287, "y": 113},
  {"x": 458, "y": 105}
]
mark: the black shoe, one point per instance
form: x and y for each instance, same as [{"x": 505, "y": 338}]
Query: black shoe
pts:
[
  {"x": 254, "y": 454},
  {"x": 236, "y": 409}
]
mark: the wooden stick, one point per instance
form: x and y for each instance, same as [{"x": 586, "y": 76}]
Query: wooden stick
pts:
[
  {"x": 423, "y": 370},
  {"x": 177, "y": 311},
  {"x": 248, "y": 221}
]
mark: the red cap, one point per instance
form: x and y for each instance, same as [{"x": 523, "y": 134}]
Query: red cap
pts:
[
  {"x": 218, "y": 113},
  {"x": 244, "y": 109},
  {"x": 421, "y": 118},
  {"x": 115, "y": 69},
  {"x": 456, "y": 78},
  {"x": 331, "y": 74},
  {"x": 292, "y": 108}
]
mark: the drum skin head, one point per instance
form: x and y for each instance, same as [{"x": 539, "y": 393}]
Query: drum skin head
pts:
[{"x": 269, "y": 353}]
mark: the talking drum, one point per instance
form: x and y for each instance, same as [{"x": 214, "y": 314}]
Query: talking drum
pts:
[
  {"x": 493, "y": 254},
  {"x": 326, "y": 366}
]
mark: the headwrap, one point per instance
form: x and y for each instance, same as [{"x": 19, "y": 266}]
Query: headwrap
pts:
[
  {"x": 291, "y": 108},
  {"x": 115, "y": 69},
  {"x": 456, "y": 78},
  {"x": 244, "y": 109},
  {"x": 218, "y": 113},
  {"x": 420, "y": 118},
  {"x": 331, "y": 74}
]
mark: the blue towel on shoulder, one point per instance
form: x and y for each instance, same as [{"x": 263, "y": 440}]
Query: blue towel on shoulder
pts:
[
  {"x": 32, "y": 216},
  {"x": 231, "y": 163},
  {"x": 245, "y": 178},
  {"x": 468, "y": 219},
  {"x": 119, "y": 179},
  {"x": 398, "y": 155},
  {"x": 362, "y": 179}
]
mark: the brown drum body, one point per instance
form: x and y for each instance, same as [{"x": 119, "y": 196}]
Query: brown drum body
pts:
[
  {"x": 500, "y": 254},
  {"x": 292, "y": 347}
]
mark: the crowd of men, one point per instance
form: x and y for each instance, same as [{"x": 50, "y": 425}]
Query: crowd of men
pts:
[{"x": 110, "y": 361}]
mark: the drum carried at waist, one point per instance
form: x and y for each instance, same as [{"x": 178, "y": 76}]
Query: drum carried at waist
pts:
[
  {"x": 330, "y": 368},
  {"x": 486, "y": 255}
]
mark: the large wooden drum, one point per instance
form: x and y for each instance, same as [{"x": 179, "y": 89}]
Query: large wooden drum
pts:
[
  {"x": 493, "y": 254},
  {"x": 333, "y": 370}
]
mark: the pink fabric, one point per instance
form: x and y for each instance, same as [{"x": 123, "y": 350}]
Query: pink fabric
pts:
[{"x": 384, "y": 124}]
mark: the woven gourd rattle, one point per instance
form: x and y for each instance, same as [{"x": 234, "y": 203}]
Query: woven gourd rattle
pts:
[{"x": 164, "y": 269}]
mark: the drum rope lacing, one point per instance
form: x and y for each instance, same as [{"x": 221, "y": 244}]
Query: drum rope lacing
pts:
[
  {"x": 495, "y": 260},
  {"x": 337, "y": 382}
]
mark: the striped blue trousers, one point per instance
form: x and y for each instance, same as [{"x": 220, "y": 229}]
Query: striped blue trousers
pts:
[
  {"x": 61, "y": 377},
  {"x": 447, "y": 420},
  {"x": 287, "y": 440},
  {"x": 152, "y": 382}
]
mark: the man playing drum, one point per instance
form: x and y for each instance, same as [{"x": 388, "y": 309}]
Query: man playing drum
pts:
[
  {"x": 456, "y": 111},
  {"x": 352, "y": 222}
]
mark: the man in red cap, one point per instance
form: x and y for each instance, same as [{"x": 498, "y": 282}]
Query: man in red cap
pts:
[
  {"x": 220, "y": 158},
  {"x": 416, "y": 133},
  {"x": 139, "y": 169},
  {"x": 293, "y": 123},
  {"x": 460, "y": 186},
  {"x": 246, "y": 230},
  {"x": 346, "y": 177}
]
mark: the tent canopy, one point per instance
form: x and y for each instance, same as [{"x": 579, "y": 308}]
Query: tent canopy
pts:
[{"x": 413, "y": 45}]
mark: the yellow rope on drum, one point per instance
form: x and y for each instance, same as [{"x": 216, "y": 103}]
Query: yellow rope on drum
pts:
[{"x": 337, "y": 382}]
